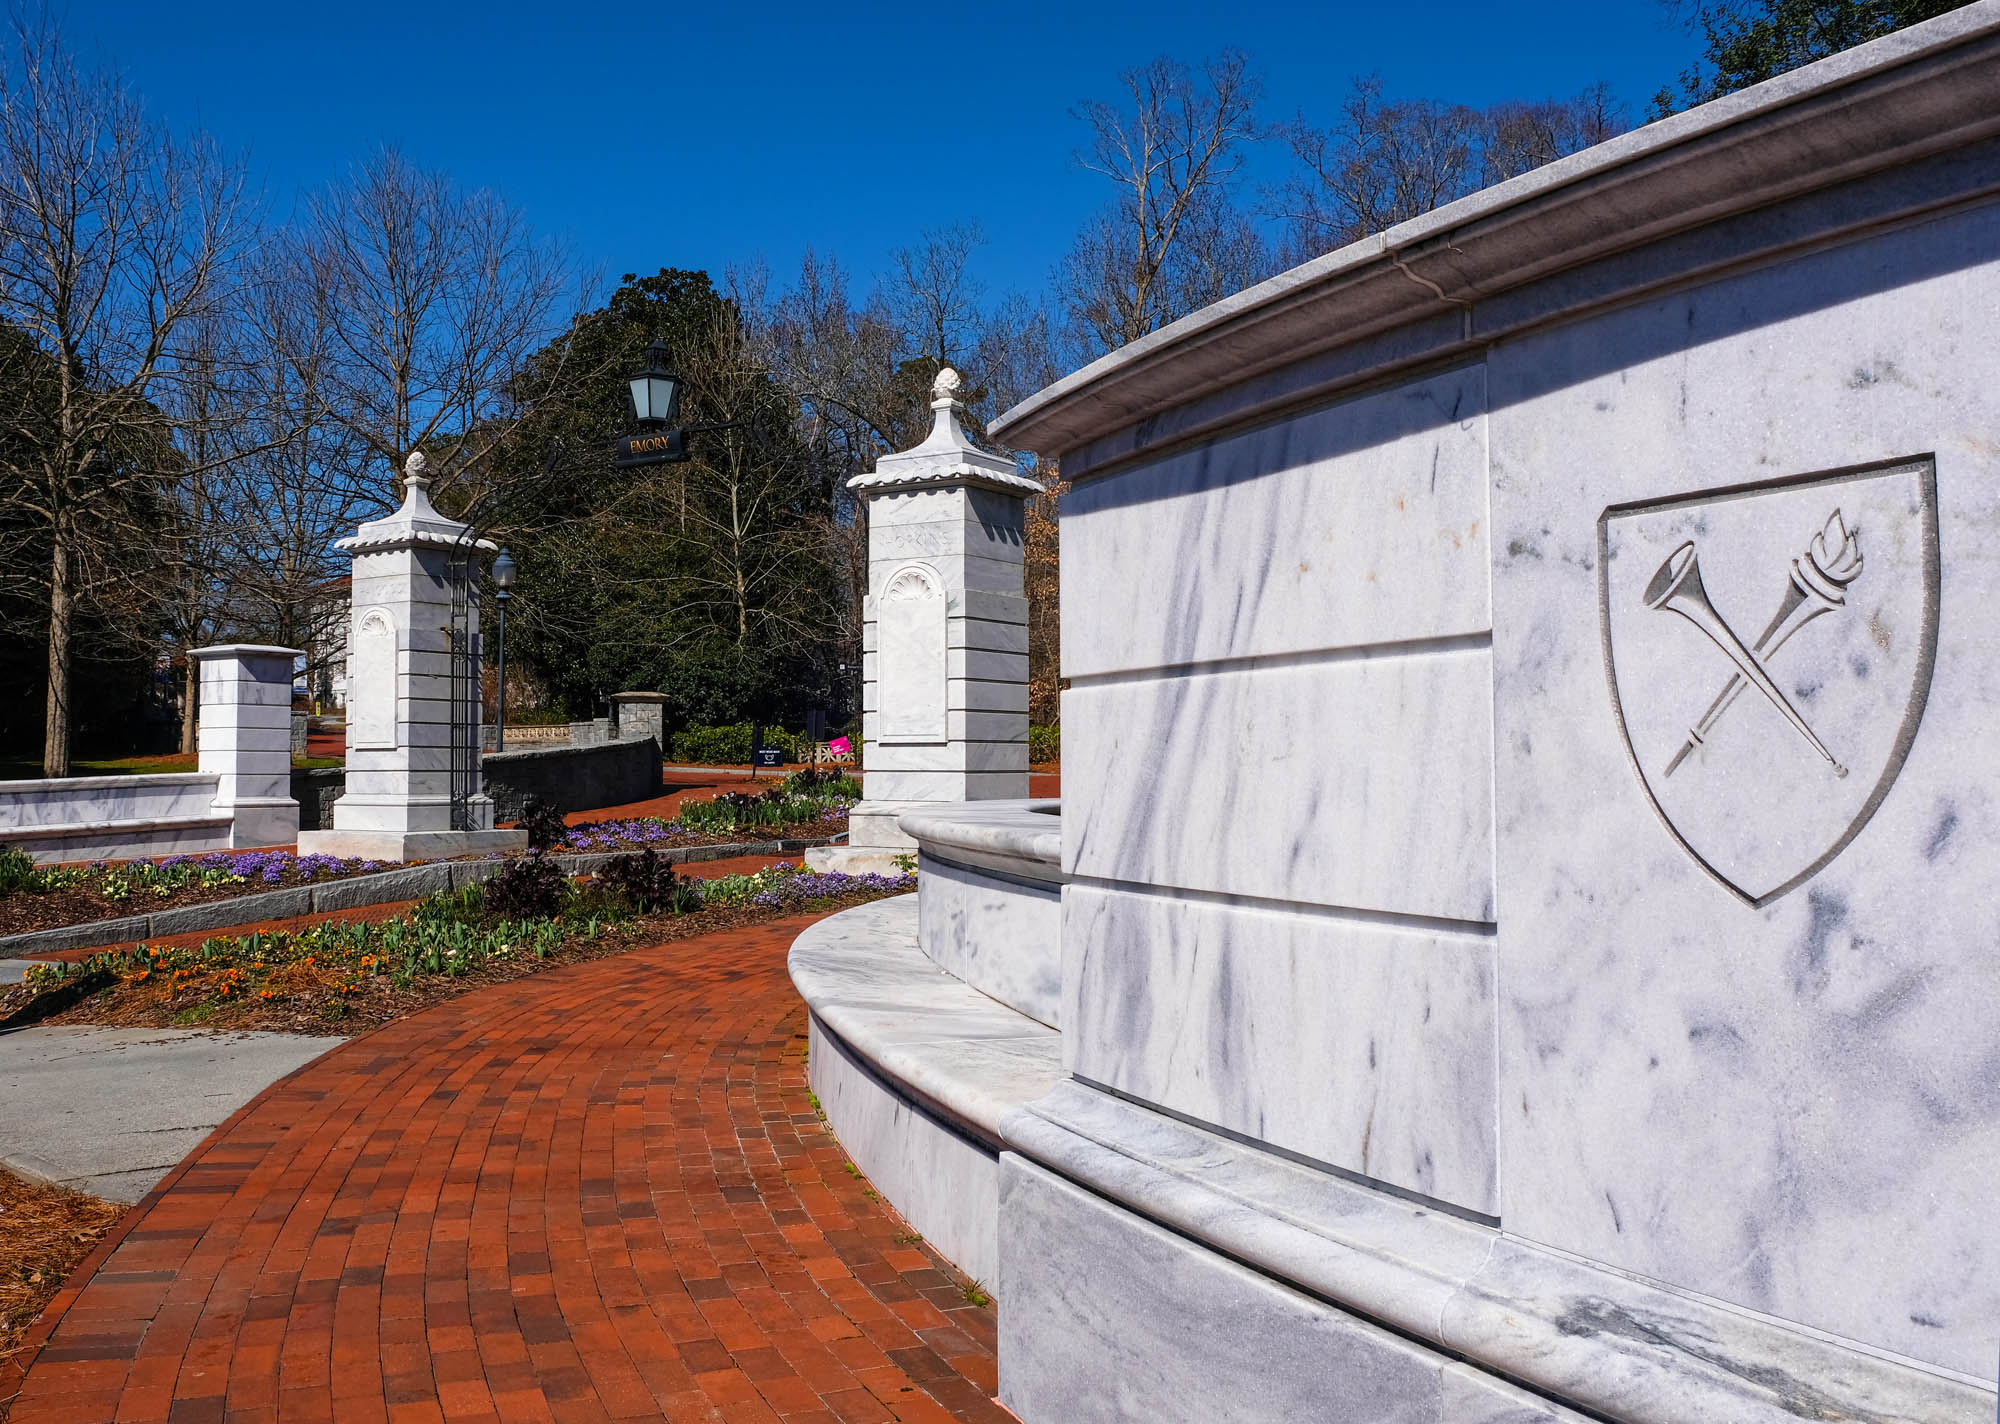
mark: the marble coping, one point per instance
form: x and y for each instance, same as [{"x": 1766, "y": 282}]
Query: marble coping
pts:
[
  {"x": 941, "y": 1042},
  {"x": 57, "y": 786},
  {"x": 1586, "y": 1335},
  {"x": 1021, "y": 838},
  {"x": 1873, "y": 109}
]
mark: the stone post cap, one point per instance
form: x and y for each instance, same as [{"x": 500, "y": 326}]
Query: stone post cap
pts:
[
  {"x": 947, "y": 458},
  {"x": 416, "y": 523},
  {"x": 638, "y": 697},
  {"x": 245, "y": 650}
]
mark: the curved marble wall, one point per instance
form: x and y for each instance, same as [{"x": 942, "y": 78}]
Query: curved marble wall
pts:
[
  {"x": 1376, "y": 871},
  {"x": 990, "y": 907}
]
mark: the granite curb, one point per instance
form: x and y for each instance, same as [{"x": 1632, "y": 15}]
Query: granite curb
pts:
[{"x": 411, "y": 882}]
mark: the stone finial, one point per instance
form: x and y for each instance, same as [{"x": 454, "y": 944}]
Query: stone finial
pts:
[
  {"x": 944, "y": 390},
  {"x": 414, "y": 477}
]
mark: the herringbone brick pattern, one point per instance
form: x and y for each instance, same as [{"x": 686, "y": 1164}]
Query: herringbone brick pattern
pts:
[{"x": 596, "y": 1193}]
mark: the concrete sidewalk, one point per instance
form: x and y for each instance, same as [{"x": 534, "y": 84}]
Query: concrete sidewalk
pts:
[{"x": 110, "y": 1110}]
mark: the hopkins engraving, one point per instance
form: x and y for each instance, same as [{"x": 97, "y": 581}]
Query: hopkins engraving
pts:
[{"x": 1757, "y": 788}]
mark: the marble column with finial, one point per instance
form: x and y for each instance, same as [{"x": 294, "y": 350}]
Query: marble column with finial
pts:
[
  {"x": 945, "y": 634},
  {"x": 398, "y": 800}
]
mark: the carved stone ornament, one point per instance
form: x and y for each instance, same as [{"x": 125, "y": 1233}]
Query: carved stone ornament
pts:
[{"x": 1769, "y": 650}]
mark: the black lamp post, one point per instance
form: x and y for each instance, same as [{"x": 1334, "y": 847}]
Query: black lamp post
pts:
[{"x": 503, "y": 579}]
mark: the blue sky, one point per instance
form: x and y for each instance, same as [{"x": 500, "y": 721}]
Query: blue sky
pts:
[{"x": 710, "y": 134}]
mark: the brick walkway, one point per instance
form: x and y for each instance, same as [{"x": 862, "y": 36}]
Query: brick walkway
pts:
[{"x": 595, "y": 1193}]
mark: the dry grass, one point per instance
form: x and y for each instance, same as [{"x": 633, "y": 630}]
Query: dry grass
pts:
[{"x": 44, "y": 1232}]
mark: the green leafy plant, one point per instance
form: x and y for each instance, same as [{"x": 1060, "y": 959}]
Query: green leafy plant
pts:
[
  {"x": 1044, "y": 744},
  {"x": 18, "y": 874}
]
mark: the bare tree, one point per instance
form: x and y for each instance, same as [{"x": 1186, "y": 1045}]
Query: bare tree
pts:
[
  {"x": 936, "y": 295},
  {"x": 1385, "y": 162},
  {"x": 1524, "y": 136},
  {"x": 116, "y": 241},
  {"x": 426, "y": 299},
  {"x": 1171, "y": 240}
]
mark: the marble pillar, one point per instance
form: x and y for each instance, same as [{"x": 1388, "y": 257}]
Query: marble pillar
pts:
[
  {"x": 945, "y": 635},
  {"x": 399, "y": 804},
  {"x": 246, "y": 739}
]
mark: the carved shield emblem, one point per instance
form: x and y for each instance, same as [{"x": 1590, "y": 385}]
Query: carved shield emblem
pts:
[{"x": 1770, "y": 648}]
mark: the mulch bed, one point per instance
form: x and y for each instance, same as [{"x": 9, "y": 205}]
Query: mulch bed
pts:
[
  {"x": 380, "y": 1002},
  {"x": 24, "y": 912},
  {"x": 45, "y": 1231}
]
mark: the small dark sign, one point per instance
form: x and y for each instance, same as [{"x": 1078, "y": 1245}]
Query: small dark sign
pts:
[
  {"x": 816, "y": 725},
  {"x": 656, "y": 447},
  {"x": 770, "y": 756}
]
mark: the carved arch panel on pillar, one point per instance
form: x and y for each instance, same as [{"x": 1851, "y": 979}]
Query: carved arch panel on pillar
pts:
[
  {"x": 911, "y": 658},
  {"x": 371, "y": 682}
]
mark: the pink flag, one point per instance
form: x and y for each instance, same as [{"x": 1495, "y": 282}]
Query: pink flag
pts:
[{"x": 838, "y": 746}]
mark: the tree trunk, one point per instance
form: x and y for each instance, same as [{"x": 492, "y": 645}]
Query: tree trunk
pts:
[
  {"x": 190, "y": 703},
  {"x": 62, "y": 614}
]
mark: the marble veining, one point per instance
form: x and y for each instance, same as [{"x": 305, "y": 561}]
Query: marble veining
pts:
[
  {"x": 1001, "y": 936},
  {"x": 1595, "y": 1338},
  {"x": 1123, "y": 1320},
  {"x": 1363, "y": 783},
  {"x": 1361, "y": 523},
  {"x": 1359, "y": 1045},
  {"x": 1793, "y": 1107}
]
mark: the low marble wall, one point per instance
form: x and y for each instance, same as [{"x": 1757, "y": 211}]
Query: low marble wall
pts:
[
  {"x": 915, "y": 1070},
  {"x": 113, "y": 817},
  {"x": 990, "y": 902}
]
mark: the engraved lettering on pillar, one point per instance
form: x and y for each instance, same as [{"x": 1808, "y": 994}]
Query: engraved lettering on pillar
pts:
[
  {"x": 910, "y": 656},
  {"x": 371, "y": 683}
]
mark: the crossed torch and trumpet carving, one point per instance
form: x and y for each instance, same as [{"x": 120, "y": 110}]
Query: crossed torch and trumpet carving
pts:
[{"x": 1818, "y": 584}]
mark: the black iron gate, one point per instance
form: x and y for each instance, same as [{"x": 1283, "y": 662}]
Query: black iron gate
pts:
[{"x": 465, "y": 689}]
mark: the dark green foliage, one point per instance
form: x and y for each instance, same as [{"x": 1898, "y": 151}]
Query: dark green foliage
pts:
[
  {"x": 1045, "y": 744},
  {"x": 648, "y": 883},
  {"x": 530, "y": 888},
  {"x": 1748, "y": 41},
  {"x": 710, "y": 581},
  {"x": 729, "y": 746},
  {"x": 543, "y": 823}
]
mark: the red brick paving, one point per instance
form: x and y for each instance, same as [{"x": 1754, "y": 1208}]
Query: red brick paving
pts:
[{"x": 597, "y": 1193}]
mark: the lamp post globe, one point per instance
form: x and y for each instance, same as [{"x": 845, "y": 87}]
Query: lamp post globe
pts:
[
  {"x": 656, "y": 390},
  {"x": 503, "y": 572}
]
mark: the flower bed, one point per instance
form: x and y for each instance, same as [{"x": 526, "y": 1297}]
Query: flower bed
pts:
[
  {"x": 807, "y": 806},
  {"x": 40, "y": 898},
  {"x": 804, "y": 806},
  {"x": 370, "y": 973}
]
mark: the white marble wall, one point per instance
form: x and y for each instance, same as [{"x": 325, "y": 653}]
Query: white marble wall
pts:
[
  {"x": 1106, "y": 1317},
  {"x": 1792, "y": 1108},
  {"x": 1277, "y": 806},
  {"x": 1000, "y": 935},
  {"x": 1361, "y": 1046},
  {"x": 113, "y": 817},
  {"x": 246, "y": 740}
]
